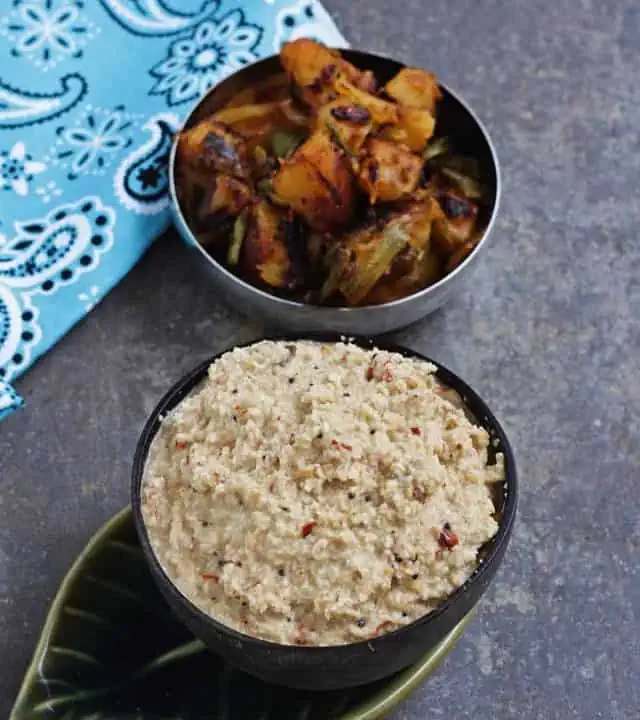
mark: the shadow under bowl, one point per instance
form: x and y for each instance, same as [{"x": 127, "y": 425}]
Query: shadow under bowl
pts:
[
  {"x": 337, "y": 666},
  {"x": 467, "y": 135}
]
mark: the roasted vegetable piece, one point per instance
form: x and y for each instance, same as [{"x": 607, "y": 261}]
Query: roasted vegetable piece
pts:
[
  {"x": 374, "y": 250},
  {"x": 228, "y": 195},
  {"x": 454, "y": 223},
  {"x": 413, "y": 129},
  {"x": 371, "y": 253},
  {"x": 415, "y": 88},
  {"x": 417, "y": 265},
  {"x": 237, "y": 238},
  {"x": 192, "y": 187},
  {"x": 437, "y": 146},
  {"x": 468, "y": 185},
  {"x": 411, "y": 271},
  {"x": 317, "y": 183},
  {"x": 337, "y": 264},
  {"x": 283, "y": 142},
  {"x": 257, "y": 123},
  {"x": 264, "y": 254},
  {"x": 388, "y": 171},
  {"x": 272, "y": 89},
  {"x": 382, "y": 111},
  {"x": 349, "y": 124},
  {"x": 314, "y": 67},
  {"x": 213, "y": 146}
]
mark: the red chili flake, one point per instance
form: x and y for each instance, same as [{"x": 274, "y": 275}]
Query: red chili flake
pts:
[
  {"x": 416, "y": 431},
  {"x": 307, "y": 528},
  {"x": 383, "y": 626},
  {"x": 181, "y": 444},
  {"x": 207, "y": 576},
  {"x": 341, "y": 445},
  {"x": 419, "y": 494},
  {"x": 447, "y": 539},
  {"x": 370, "y": 372}
]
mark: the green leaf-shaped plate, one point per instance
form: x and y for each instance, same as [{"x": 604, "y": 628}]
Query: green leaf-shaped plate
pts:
[{"x": 111, "y": 649}]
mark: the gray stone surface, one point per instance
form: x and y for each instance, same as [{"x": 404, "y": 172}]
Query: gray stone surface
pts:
[{"x": 548, "y": 334}]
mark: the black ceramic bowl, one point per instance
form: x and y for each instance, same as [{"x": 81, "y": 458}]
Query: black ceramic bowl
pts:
[{"x": 337, "y": 666}]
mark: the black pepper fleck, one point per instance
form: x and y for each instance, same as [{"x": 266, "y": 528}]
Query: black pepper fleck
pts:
[
  {"x": 351, "y": 495},
  {"x": 404, "y": 614},
  {"x": 415, "y": 576},
  {"x": 281, "y": 572},
  {"x": 361, "y": 623},
  {"x": 367, "y": 498},
  {"x": 234, "y": 392},
  {"x": 291, "y": 381},
  {"x": 372, "y": 431},
  {"x": 447, "y": 526}
]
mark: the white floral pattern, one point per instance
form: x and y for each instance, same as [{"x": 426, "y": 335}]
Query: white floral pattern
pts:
[
  {"x": 94, "y": 141},
  {"x": 48, "y": 31},
  {"x": 198, "y": 60},
  {"x": 17, "y": 169}
]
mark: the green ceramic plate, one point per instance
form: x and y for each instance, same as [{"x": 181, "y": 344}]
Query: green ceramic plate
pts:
[{"x": 111, "y": 649}]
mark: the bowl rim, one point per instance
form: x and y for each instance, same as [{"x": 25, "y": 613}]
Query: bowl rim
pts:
[
  {"x": 495, "y": 546},
  {"x": 296, "y": 304}
]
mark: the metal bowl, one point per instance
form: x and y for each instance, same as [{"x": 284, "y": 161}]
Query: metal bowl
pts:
[
  {"x": 336, "y": 666},
  {"x": 469, "y": 137}
]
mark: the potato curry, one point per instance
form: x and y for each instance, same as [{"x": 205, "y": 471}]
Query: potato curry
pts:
[{"x": 320, "y": 186}]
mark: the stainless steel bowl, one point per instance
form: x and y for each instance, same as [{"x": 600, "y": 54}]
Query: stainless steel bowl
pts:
[{"x": 469, "y": 136}]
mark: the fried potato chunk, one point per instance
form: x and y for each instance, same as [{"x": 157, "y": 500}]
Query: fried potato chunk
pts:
[
  {"x": 388, "y": 171},
  {"x": 316, "y": 182}
]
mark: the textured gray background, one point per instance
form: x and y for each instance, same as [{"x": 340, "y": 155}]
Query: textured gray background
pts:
[{"x": 548, "y": 334}]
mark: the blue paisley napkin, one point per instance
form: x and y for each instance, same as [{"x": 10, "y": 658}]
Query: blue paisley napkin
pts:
[{"x": 90, "y": 94}]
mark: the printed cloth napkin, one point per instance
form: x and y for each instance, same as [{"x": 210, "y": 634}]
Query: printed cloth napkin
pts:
[{"x": 91, "y": 92}]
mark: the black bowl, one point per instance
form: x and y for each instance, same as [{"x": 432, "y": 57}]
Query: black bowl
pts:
[{"x": 337, "y": 666}]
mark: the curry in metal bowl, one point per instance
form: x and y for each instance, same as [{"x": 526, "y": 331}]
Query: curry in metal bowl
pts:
[{"x": 320, "y": 186}]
